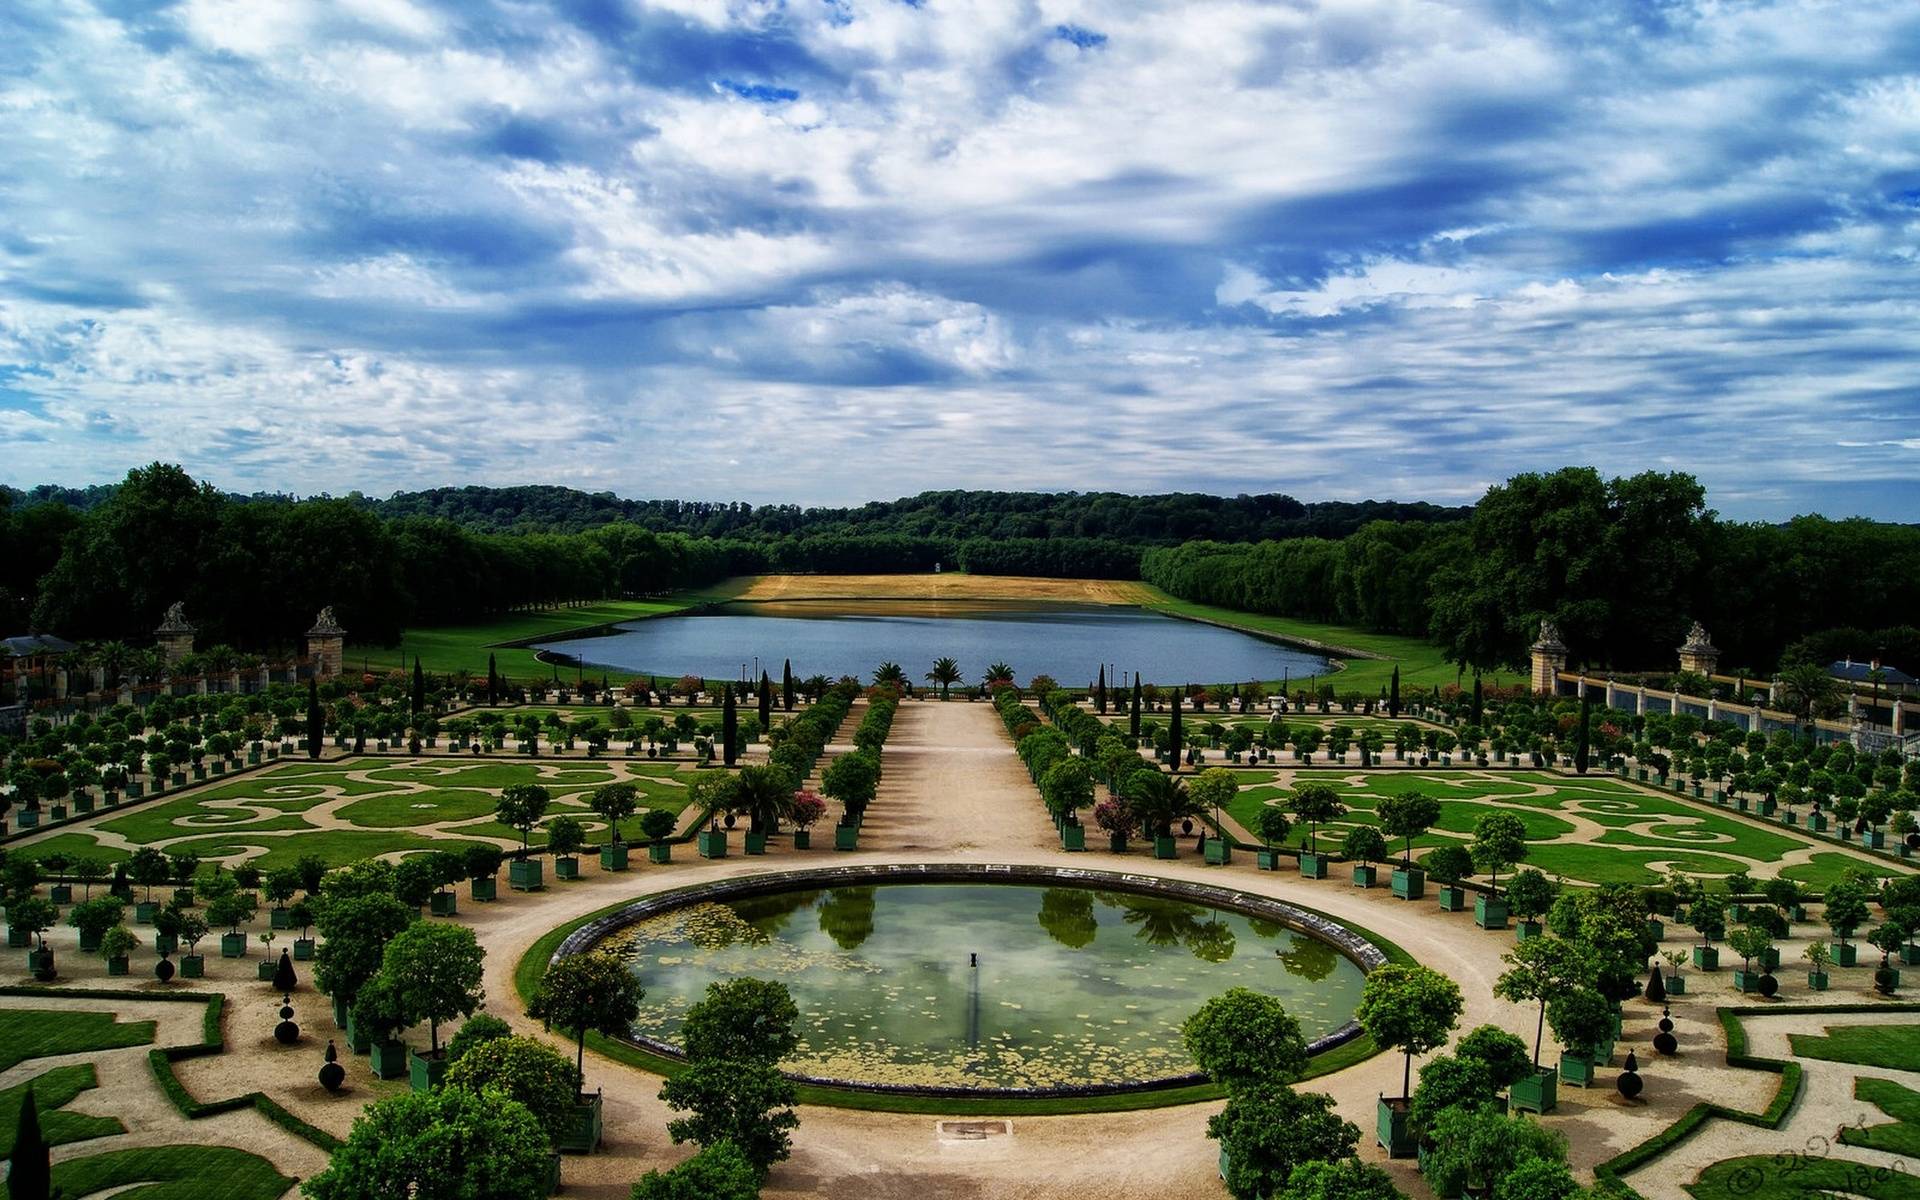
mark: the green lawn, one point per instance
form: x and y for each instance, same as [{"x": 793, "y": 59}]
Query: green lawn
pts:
[
  {"x": 1902, "y": 1134},
  {"x": 1896, "y": 1046},
  {"x": 51, "y": 1091},
  {"x": 172, "y": 1173},
  {"x": 337, "y": 847},
  {"x": 1421, "y": 663},
  {"x": 1827, "y": 867},
  {"x": 41, "y": 1033},
  {"x": 1767, "y": 1177},
  {"x": 447, "y": 648}
]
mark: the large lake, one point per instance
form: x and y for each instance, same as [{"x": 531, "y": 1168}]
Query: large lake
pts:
[{"x": 834, "y": 638}]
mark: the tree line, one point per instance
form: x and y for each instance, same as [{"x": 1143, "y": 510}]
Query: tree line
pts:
[{"x": 1622, "y": 566}]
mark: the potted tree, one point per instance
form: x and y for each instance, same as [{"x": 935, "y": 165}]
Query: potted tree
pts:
[
  {"x": 1540, "y": 971},
  {"x": 446, "y": 869},
  {"x": 1499, "y": 841},
  {"x": 193, "y": 927},
  {"x": 1408, "y": 816},
  {"x": 565, "y": 838},
  {"x": 30, "y": 917},
  {"x": 1158, "y": 800},
  {"x": 1818, "y": 957},
  {"x": 1709, "y": 920},
  {"x": 432, "y": 972},
  {"x": 1450, "y": 864},
  {"x": 1273, "y": 824},
  {"x": 581, "y": 994},
  {"x": 1411, "y": 1009},
  {"x": 374, "y": 1023},
  {"x": 93, "y": 918},
  {"x": 1315, "y": 803},
  {"x": 264, "y": 969},
  {"x": 1676, "y": 983},
  {"x": 1886, "y": 939},
  {"x": 1363, "y": 846},
  {"x": 806, "y": 812},
  {"x": 521, "y": 807},
  {"x": 1212, "y": 790},
  {"x": 166, "y": 931},
  {"x": 480, "y": 863},
  {"x": 148, "y": 868},
  {"x": 1749, "y": 942},
  {"x": 765, "y": 794},
  {"x": 1529, "y": 895},
  {"x": 615, "y": 802},
  {"x": 1846, "y": 912},
  {"x": 1582, "y": 1021},
  {"x": 183, "y": 867},
  {"x": 656, "y": 824},
  {"x": 301, "y": 915},
  {"x": 280, "y": 886},
  {"x": 232, "y": 910}
]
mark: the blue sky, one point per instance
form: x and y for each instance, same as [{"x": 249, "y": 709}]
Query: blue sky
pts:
[{"x": 830, "y": 250}]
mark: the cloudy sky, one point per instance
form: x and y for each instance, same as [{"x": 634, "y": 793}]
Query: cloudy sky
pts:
[{"x": 831, "y": 250}]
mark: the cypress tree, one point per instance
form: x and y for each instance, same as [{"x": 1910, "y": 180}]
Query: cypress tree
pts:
[
  {"x": 1393, "y": 694},
  {"x": 766, "y": 701},
  {"x": 419, "y": 697},
  {"x": 1478, "y": 709},
  {"x": 1133, "y": 722},
  {"x": 729, "y": 726},
  {"x": 786, "y": 686},
  {"x": 315, "y": 722},
  {"x": 493, "y": 682},
  {"x": 1581, "y": 750},
  {"x": 1173, "y": 734},
  {"x": 30, "y": 1168},
  {"x": 1100, "y": 692}
]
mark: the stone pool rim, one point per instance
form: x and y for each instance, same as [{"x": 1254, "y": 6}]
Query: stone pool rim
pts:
[{"x": 1355, "y": 948}]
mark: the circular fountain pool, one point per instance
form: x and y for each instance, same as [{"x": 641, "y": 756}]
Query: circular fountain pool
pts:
[{"x": 955, "y": 979}]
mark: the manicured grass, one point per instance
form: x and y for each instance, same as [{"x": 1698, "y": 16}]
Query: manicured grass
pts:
[
  {"x": 172, "y": 1173},
  {"x": 41, "y": 1033},
  {"x": 72, "y": 845},
  {"x": 51, "y": 1091},
  {"x": 1902, "y": 1135},
  {"x": 527, "y": 972},
  {"x": 1769, "y": 1177},
  {"x": 447, "y": 648},
  {"x": 1896, "y": 1046},
  {"x": 1825, "y": 869},
  {"x": 1421, "y": 663},
  {"x": 337, "y": 847},
  {"x": 1602, "y": 864},
  {"x": 157, "y": 823}
]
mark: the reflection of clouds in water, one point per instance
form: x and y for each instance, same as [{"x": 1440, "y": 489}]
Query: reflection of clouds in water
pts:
[{"x": 1087, "y": 992}]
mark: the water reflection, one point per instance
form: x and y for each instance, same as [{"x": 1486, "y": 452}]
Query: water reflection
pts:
[
  {"x": 846, "y": 916},
  {"x": 1067, "y": 916}
]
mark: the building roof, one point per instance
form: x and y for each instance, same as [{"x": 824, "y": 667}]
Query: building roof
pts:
[
  {"x": 1857, "y": 672},
  {"x": 31, "y": 645}
]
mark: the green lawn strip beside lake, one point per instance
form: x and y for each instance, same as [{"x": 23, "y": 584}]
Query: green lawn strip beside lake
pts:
[
  {"x": 1902, "y": 1134},
  {"x": 1896, "y": 1046},
  {"x": 1421, "y": 663},
  {"x": 42, "y": 1033},
  {"x": 51, "y": 1092},
  {"x": 527, "y": 972},
  {"x": 337, "y": 847},
  {"x": 172, "y": 1173}
]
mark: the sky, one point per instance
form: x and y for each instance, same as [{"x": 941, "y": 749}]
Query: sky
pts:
[{"x": 824, "y": 251}]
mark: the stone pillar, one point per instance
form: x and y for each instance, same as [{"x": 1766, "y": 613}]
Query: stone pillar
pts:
[
  {"x": 126, "y": 694},
  {"x": 1549, "y": 656},
  {"x": 1713, "y": 709},
  {"x": 60, "y": 683},
  {"x": 1640, "y": 700},
  {"x": 175, "y": 634},
  {"x": 1699, "y": 655},
  {"x": 326, "y": 645}
]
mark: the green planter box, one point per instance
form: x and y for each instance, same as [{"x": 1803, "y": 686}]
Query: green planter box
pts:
[
  {"x": 1453, "y": 899},
  {"x": 485, "y": 889},
  {"x": 845, "y": 837},
  {"x": 41, "y": 964},
  {"x": 1267, "y": 860},
  {"x": 1365, "y": 876},
  {"x": 1656, "y": 930},
  {"x": 358, "y": 1040},
  {"x": 303, "y": 949},
  {"x": 712, "y": 843},
  {"x": 61, "y": 893},
  {"x": 1539, "y": 1093},
  {"x": 661, "y": 852},
  {"x": 1706, "y": 958},
  {"x": 1676, "y": 985},
  {"x": 27, "y": 818},
  {"x": 583, "y": 1136},
  {"x": 1576, "y": 1071},
  {"x": 388, "y": 1059},
  {"x": 280, "y": 918},
  {"x": 183, "y": 897},
  {"x": 613, "y": 856},
  {"x": 1747, "y": 981},
  {"x": 193, "y": 966},
  {"x": 1768, "y": 806},
  {"x": 1390, "y": 1128},
  {"x": 803, "y": 839},
  {"x": 165, "y": 943},
  {"x": 233, "y": 945},
  {"x": 756, "y": 843},
  {"x": 566, "y": 867},
  {"x": 1817, "y": 980},
  {"x": 83, "y": 803},
  {"x": 1165, "y": 848},
  {"x": 1073, "y": 836},
  {"x": 1770, "y": 959},
  {"x": 1817, "y": 822},
  {"x": 1874, "y": 839},
  {"x": 89, "y": 941},
  {"x": 58, "y": 813},
  {"x": 425, "y": 1071},
  {"x": 117, "y": 966},
  {"x": 443, "y": 904},
  {"x": 1409, "y": 883},
  {"x": 1525, "y": 931},
  {"x": 1313, "y": 866},
  {"x": 264, "y": 970},
  {"x": 1219, "y": 852},
  {"x": 1845, "y": 955},
  {"x": 1489, "y": 913},
  {"x": 18, "y": 939},
  {"x": 523, "y": 875}
]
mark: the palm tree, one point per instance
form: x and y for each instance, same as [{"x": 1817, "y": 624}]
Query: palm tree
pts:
[
  {"x": 998, "y": 675},
  {"x": 946, "y": 673},
  {"x": 1810, "y": 690},
  {"x": 112, "y": 658},
  {"x": 1159, "y": 800},
  {"x": 765, "y": 794},
  {"x": 889, "y": 674}
]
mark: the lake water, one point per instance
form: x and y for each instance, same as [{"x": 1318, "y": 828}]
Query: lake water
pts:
[
  {"x": 1071, "y": 985},
  {"x": 834, "y": 638}
]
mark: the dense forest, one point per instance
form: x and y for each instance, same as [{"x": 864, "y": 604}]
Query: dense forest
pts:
[{"x": 1623, "y": 565}]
